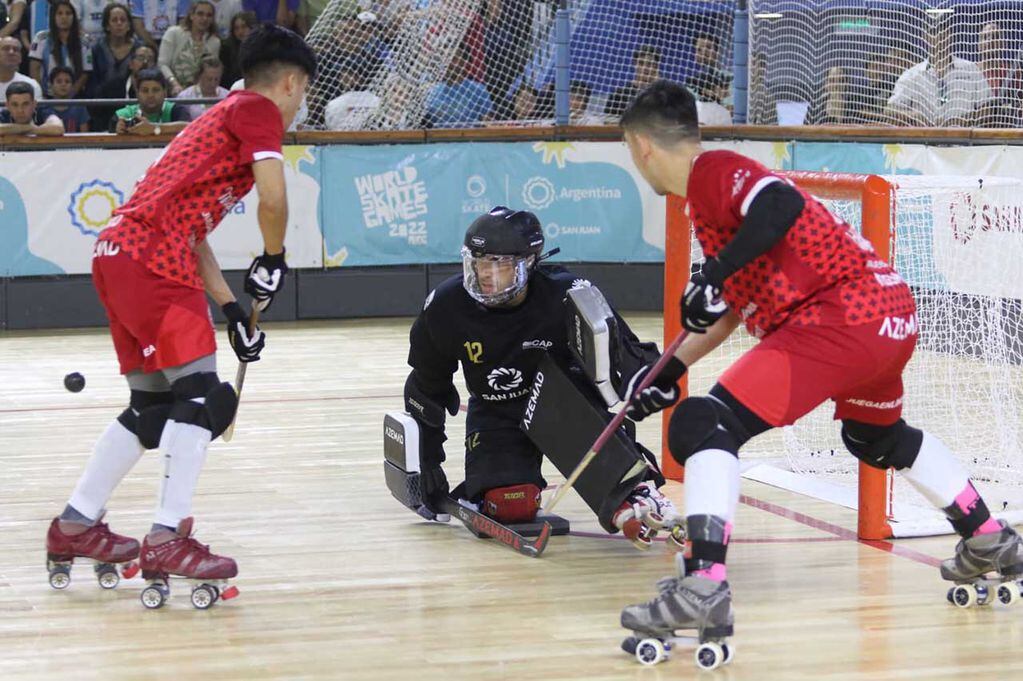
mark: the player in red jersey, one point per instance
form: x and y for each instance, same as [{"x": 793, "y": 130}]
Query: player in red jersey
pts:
[
  {"x": 152, "y": 268},
  {"x": 834, "y": 322}
]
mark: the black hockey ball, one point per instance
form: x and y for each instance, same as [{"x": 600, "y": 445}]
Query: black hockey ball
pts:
[{"x": 74, "y": 382}]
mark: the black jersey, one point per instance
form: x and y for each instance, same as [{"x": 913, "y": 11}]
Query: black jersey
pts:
[{"x": 499, "y": 348}]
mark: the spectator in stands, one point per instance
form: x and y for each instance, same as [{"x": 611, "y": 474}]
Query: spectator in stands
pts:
[
  {"x": 355, "y": 106},
  {"x": 12, "y": 12},
  {"x": 579, "y": 94},
  {"x": 710, "y": 83},
  {"x": 153, "y": 115},
  {"x": 110, "y": 56},
  {"x": 880, "y": 75},
  {"x": 75, "y": 117},
  {"x": 524, "y": 102},
  {"x": 242, "y": 24},
  {"x": 993, "y": 64},
  {"x": 942, "y": 90},
  {"x": 646, "y": 61},
  {"x": 22, "y": 117},
  {"x": 274, "y": 11},
  {"x": 185, "y": 46},
  {"x": 507, "y": 42},
  {"x": 207, "y": 85},
  {"x": 835, "y": 103},
  {"x": 90, "y": 18},
  {"x": 225, "y": 11},
  {"x": 762, "y": 103},
  {"x": 310, "y": 10},
  {"x": 458, "y": 101},
  {"x": 153, "y": 17},
  {"x": 10, "y": 60},
  {"x": 61, "y": 45}
]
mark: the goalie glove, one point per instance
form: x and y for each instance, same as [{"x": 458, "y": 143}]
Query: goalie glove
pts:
[
  {"x": 246, "y": 346},
  {"x": 265, "y": 278},
  {"x": 701, "y": 303},
  {"x": 660, "y": 394}
]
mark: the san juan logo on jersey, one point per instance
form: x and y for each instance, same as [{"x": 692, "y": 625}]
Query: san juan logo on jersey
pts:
[
  {"x": 505, "y": 379},
  {"x": 92, "y": 204}
]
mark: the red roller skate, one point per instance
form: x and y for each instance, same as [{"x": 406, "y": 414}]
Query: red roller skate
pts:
[
  {"x": 185, "y": 557},
  {"x": 98, "y": 544}
]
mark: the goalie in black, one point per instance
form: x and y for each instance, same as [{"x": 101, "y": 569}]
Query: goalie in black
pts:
[{"x": 544, "y": 357}]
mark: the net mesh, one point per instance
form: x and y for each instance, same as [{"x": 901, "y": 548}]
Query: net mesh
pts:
[
  {"x": 842, "y": 62},
  {"x": 466, "y": 63},
  {"x": 958, "y": 242}
]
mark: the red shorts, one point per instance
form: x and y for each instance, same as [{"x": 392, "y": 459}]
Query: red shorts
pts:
[
  {"x": 156, "y": 323},
  {"x": 796, "y": 368}
]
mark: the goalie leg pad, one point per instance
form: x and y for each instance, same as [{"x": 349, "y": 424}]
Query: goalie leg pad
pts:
[
  {"x": 563, "y": 424},
  {"x": 512, "y": 504},
  {"x": 892, "y": 446},
  {"x": 217, "y": 409}
]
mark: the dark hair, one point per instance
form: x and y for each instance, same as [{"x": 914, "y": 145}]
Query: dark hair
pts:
[
  {"x": 186, "y": 23},
  {"x": 19, "y": 87},
  {"x": 707, "y": 35},
  {"x": 647, "y": 51},
  {"x": 109, "y": 9},
  {"x": 74, "y": 38},
  {"x": 248, "y": 16},
  {"x": 270, "y": 47},
  {"x": 578, "y": 87},
  {"x": 155, "y": 75},
  {"x": 139, "y": 46},
  {"x": 665, "y": 111},
  {"x": 208, "y": 63},
  {"x": 57, "y": 70}
]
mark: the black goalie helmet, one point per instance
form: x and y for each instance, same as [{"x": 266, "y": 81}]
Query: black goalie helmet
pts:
[{"x": 500, "y": 251}]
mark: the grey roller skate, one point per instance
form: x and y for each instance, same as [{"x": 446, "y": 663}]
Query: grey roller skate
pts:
[
  {"x": 1000, "y": 553},
  {"x": 688, "y": 603}
]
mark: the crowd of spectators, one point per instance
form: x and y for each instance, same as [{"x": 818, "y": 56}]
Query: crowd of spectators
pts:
[{"x": 114, "y": 49}]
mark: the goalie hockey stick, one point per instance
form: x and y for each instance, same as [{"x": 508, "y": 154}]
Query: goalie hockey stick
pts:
[{"x": 490, "y": 527}]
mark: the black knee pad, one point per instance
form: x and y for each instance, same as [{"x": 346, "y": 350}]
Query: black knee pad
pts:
[
  {"x": 694, "y": 427},
  {"x": 893, "y": 446},
  {"x": 216, "y": 412},
  {"x": 146, "y": 414}
]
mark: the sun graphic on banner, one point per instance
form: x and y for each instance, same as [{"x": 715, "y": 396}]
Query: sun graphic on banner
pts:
[
  {"x": 892, "y": 152},
  {"x": 294, "y": 154},
  {"x": 782, "y": 153},
  {"x": 553, "y": 150},
  {"x": 92, "y": 204}
]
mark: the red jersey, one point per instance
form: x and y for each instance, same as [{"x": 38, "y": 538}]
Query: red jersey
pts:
[
  {"x": 201, "y": 175},
  {"x": 823, "y": 272}
]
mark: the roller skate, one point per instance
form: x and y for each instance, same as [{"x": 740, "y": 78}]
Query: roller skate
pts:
[
  {"x": 645, "y": 512},
  {"x": 691, "y": 603},
  {"x": 106, "y": 549},
  {"x": 185, "y": 557},
  {"x": 1000, "y": 553}
]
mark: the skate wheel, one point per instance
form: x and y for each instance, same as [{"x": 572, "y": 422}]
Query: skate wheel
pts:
[
  {"x": 229, "y": 593},
  {"x": 629, "y": 645},
  {"x": 650, "y": 651},
  {"x": 964, "y": 595},
  {"x": 203, "y": 596},
  {"x": 108, "y": 577},
  {"x": 130, "y": 570},
  {"x": 1008, "y": 593},
  {"x": 153, "y": 596},
  {"x": 60, "y": 577},
  {"x": 709, "y": 656},
  {"x": 729, "y": 652},
  {"x": 654, "y": 520},
  {"x": 676, "y": 539}
]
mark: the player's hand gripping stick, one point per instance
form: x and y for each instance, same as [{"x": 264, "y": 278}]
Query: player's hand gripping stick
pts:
[
  {"x": 616, "y": 422},
  {"x": 239, "y": 377}
]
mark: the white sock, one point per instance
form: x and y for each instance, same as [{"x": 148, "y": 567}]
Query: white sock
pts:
[
  {"x": 712, "y": 484},
  {"x": 116, "y": 452},
  {"x": 183, "y": 447},
  {"x": 936, "y": 473}
]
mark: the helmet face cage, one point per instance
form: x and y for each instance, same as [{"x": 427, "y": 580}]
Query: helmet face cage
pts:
[{"x": 490, "y": 271}]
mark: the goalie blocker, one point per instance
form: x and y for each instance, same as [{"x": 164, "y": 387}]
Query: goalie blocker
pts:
[
  {"x": 401, "y": 464},
  {"x": 593, "y": 339},
  {"x": 563, "y": 424}
]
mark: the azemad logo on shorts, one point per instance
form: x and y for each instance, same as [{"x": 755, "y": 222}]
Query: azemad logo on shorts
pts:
[{"x": 92, "y": 204}]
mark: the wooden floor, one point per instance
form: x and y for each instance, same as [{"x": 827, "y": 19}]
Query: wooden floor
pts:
[{"x": 339, "y": 582}]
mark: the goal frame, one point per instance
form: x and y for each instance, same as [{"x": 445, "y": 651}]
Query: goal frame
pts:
[{"x": 875, "y": 196}]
